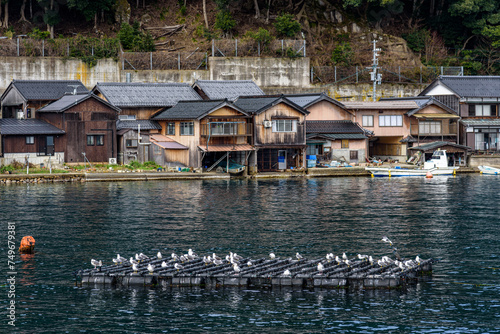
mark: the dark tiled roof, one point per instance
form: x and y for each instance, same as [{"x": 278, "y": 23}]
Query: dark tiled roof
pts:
[
  {"x": 336, "y": 136},
  {"x": 306, "y": 100},
  {"x": 47, "y": 89},
  {"x": 422, "y": 102},
  {"x": 324, "y": 127},
  {"x": 437, "y": 144},
  {"x": 136, "y": 94},
  {"x": 70, "y": 100},
  {"x": 481, "y": 122},
  {"x": 134, "y": 124},
  {"x": 193, "y": 109},
  {"x": 228, "y": 89},
  {"x": 12, "y": 126},
  {"x": 472, "y": 86},
  {"x": 257, "y": 104}
]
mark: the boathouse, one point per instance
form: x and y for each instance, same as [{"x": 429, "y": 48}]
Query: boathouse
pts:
[{"x": 457, "y": 154}]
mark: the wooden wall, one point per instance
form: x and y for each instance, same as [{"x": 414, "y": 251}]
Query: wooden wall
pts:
[{"x": 325, "y": 110}]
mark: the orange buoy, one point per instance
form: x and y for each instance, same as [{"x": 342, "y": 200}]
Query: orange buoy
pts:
[
  {"x": 27, "y": 245},
  {"x": 428, "y": 175}
]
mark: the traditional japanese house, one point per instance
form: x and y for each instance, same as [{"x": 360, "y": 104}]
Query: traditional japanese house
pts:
[
  {"x": 226, "y": 89},
  {"x": 134, "y": 138},
  {"x": 214, "y": 131},
  {"x": 339, "y": 141},
  {"x": 143, "y": 100},
  {"x": 396, "y": 123},
  {"x": 23, "y": 97},
  {"x": 90, "y": 126},
  {"x": 476, "y": 99},
  {"x": 30, "y": 140},
  {"x": 321, "y": 107},
  {"x": 279, "y": 131}
]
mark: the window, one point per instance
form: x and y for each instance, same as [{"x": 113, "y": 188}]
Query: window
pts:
[
  {"x": 131, "y": 143},
  {"x": 285, "y": 125},
  {"x": 99, "y": 140},
  {"x": 367, "y": 120},
  {"x": 223, "y": 128},
  {"x": 90, "y": 140},
  {"x": 345, "y": 143},
  {"x": 187, "y": 129},
  {"x": 482, "y": 110},
  {"x": 171, "y": 129},
  {"x": 390, "y": 120},
  {"x": 30, "y": 140},
  {"x": 429, "y": 127}
]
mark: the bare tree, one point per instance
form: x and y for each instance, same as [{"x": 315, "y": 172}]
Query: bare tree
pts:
[
  {"x": 205, "y": 12},
  {"x": 23, "y": 7},
  {"x": 6, "y": 15},
  {"x": 257, "y": 10}
]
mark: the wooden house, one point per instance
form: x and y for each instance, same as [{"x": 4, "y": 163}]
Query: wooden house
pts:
[
  {"x": 143, "y": 100},
  {"x": 30, "y": 140},
  {"x": 476, "y": 99},
  {"x": 396, "y": 123},
  {"x": 341, "y": 140},
  {"x": 211, "y": 130},
  {"x": 134, "y": 138},
  {"x": 90, "y": 126},
  {"x": 321, "y": 107},
  {"x": 279, "y": 131},
  {"x": 226, "y": 89},
  {"x": 23, "y": 97}
]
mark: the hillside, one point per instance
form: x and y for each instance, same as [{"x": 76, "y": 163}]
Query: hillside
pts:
[{"x": 337, "y": 32}]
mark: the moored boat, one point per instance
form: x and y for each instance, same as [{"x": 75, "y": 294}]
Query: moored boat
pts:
[
  {"x": 489, "y": 170},
  {"x": 437, "y": 165}
]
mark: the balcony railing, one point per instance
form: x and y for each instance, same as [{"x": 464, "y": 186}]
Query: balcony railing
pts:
[{"x": 226, "y": 129}]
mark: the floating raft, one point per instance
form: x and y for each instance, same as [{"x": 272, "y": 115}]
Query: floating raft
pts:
[{"x": 263, "y": 273}]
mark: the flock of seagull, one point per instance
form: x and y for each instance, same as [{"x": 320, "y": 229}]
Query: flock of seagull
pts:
[{"x": 235, "y": 260}]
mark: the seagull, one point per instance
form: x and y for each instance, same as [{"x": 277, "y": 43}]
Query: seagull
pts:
[
  {"x": 330, "y": 257},
  {"x": 206, "y": 260},
  {"x": 164, "y": 264},
  {"x": 143, "y": 257},
  {"x": 174, "y": 257},
  {"x": 137, "y": 257},
  {"x": 151, "y": 268},
  {"x": 370, "y": 259},
  {"x": 183, "y": 258},
  {"x": 337, "y": 258},
  {"x": 134, "y": 267},
  {"x": 133, "y": 261},
  {"x": 320, "y": 268},
  {"x": 362, "y": 257},
  {"x": 249, "y": 263},
  {"x": 237, "y": 269},
  {"x": 386, "y": 239},
  {"x": 192, "y": 253},
  {"x": 178, "y": 266},
  {"x": 287, "y": 273},
  {"x": 272, "y": 256},
  {"x": 347, "y": 262},
  {"x": 418, "y": 259},
  {"x": 159, "y": 256},
  {"x": 344, "y": 257},
  {"x": 96, "y": 263},
  {"x": 298, "y": 256},
  {"x": 218, "y": 262},
  {"x": 381, "y": 263},
  {"x": 120, "y": 259},
  {"x": 215, "y": 257},
  {"x": 237, "y": 257},
  {"x": 387, "y": 260}
]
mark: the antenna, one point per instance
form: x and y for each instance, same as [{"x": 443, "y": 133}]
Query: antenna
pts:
[
  {"x": 375, "y": 77},
  {"x": 75, "y": 88}
]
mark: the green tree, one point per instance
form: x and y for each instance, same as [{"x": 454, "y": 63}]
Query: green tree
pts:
[
  {"x": 286, "y": 25},
  {"x": 342, "y": 54},
  {"x": 132, "y": 38},
  {"x": 91, "y": 8},
  {"x": 224, "y": 21}
]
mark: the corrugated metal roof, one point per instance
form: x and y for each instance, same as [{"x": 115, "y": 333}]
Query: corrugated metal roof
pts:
[
  {"x": 227, "y": 148},
  {"x": 190, "y": 109},
  {"x": 166, "y": 142},
  {"x": 341, "y": 126},
  {"x": 136, "y": 94},
  {"x": 228, "y": 89},
  {"x": 133, "y": 124},
  {"x": 306, "y": 100},
  {"x": 47, "y": 89},
  {"x": 481, "y": 122},
  {"x": 70, "y": 100},
  {"x": 12, "y": 126},
  {"x": 436, "y": 145},
  {"x": 472, "y": 86},
  {"x": 380, "y": 105}
]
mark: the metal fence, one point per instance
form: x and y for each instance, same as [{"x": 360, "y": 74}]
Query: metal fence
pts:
[
  {"x": 27, "y": 47},
  {"x": 164, "y": 60},
  {"x": 290, "y": 48},
  {"x": 390, "y": 74}
]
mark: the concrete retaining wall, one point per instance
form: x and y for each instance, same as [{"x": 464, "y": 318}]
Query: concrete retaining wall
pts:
[
  {"x": 488, "y": 160},
  {"x": 57, "y": 160}
]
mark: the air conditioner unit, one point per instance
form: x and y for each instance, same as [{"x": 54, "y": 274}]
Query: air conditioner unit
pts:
[
  {"x": 268, "y": 124},
  {"x": 112, "y": 161}
]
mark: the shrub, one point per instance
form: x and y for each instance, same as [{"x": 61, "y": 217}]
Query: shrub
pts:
[
  {"x": 39, "y": 34},
  {"x": 342, "y": 54},
  {"x": 224, "y": 21},
  {"x": 132, "y": 38},
  {"x": 286, "y": 25},
  {"x": 262, "y": 35}
]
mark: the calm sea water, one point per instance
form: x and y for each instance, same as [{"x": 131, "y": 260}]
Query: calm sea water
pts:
[{"x": 454, "y": 219}]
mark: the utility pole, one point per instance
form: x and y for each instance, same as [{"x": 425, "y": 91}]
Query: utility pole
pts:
[{"x": 375, "y": 77}]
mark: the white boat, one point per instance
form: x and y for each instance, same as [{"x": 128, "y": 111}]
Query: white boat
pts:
[
  {"x": 489, "y": 170},
  {"x": 437, "y": 165}
]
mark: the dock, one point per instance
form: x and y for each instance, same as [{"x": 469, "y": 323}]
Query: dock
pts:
[{"x": 262, "y": 273}]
